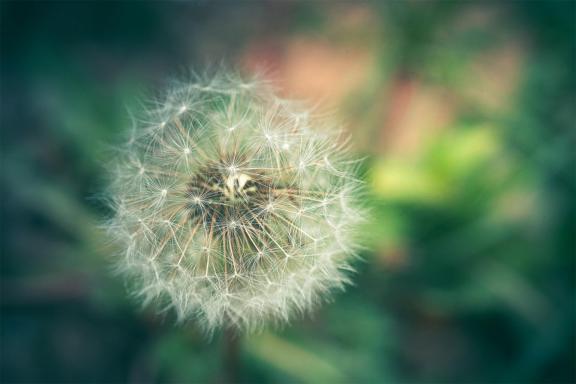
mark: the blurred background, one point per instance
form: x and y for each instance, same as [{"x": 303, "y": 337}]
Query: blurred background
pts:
[{"x": 464, "y": 111}]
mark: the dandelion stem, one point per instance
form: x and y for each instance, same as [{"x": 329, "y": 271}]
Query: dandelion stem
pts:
[{"x": 231, "y": 357}]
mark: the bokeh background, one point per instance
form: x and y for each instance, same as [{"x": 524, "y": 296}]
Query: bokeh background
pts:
[{"x": 465, "y": 112}]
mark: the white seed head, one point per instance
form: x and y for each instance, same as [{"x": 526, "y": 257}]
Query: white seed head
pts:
[{"x": 234, "y": 206}]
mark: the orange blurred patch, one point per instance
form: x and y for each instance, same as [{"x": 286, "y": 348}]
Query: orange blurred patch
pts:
[
  {"x": 317, "y": 70},
  {"x": 415, "y": 112},
  {"x": 495, "y": 76},
  {"x": 326, "y": 68}
]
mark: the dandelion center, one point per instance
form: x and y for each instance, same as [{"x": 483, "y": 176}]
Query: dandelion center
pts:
[{"x": 234, "y": 200}]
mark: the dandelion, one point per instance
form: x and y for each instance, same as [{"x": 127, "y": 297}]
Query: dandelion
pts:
[{"x": 234, "y": 206}]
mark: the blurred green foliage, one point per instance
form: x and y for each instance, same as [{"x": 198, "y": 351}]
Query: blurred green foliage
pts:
[{"x": 468, "y": 272}]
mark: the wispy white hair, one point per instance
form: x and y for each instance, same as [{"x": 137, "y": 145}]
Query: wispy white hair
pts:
[{"x": 232, "y": 205}]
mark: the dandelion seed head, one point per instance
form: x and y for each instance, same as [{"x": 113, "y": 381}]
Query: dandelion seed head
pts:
[{"x": 253, "y": 224}]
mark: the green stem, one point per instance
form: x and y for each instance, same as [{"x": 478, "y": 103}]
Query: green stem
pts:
[{"x": 231, "y": 356}]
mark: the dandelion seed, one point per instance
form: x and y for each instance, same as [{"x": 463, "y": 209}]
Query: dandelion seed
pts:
[{"x": 256, "y": 225}]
